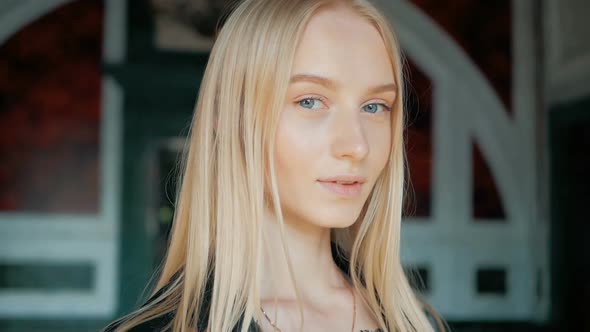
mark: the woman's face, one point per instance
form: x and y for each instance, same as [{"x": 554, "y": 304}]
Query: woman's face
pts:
[{"x": 334, "y": 133}]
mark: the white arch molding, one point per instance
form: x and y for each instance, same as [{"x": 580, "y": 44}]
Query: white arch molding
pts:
[
  {"x": 62, "y": 238},
  {"x": 467, "y": 109},
  {"x": 16, "y": 14}
]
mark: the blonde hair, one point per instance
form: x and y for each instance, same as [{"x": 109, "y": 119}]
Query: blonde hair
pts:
[{"x": 228, "y": 179}]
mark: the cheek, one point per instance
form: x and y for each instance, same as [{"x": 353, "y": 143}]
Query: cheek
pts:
[
  {"x": 380, "y": 143},
  {"x": 296, "y": 151}
]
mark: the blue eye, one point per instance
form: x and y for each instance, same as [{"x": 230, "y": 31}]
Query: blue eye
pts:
[
  {"x": 309, "y": 103},
  {"x": 374, "y": 108}
]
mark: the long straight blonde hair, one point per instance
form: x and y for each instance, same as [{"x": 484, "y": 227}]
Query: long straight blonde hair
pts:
[{"x": 228, "y": 179}]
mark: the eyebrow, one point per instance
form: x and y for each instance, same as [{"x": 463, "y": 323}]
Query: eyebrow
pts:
[{"x": 330, "y": 84}]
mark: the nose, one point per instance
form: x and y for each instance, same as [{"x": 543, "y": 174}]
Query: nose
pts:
[{"x": 348, "y": 136}]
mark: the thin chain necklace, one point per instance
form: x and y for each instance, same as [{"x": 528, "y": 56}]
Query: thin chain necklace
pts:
[{"x": 277, "y": 329}]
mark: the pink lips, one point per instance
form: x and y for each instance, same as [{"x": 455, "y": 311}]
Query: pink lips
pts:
[{"x": 343, "y": 186}]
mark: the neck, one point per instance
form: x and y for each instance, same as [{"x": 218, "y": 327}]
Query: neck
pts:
[{"x": 309, "y": 249}]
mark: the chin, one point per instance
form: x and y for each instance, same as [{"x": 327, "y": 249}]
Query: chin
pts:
[
  {"x": 340, "y": 218},
  {"x": 321, "y": 213}
]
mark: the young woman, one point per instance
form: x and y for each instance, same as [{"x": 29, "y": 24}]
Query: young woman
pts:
[{"x": 288, "y": 216}]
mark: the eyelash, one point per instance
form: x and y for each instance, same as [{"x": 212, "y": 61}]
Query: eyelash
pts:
[{"x": 323, "y": 100}]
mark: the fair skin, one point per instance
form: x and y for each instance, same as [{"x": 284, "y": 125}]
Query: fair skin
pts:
[{"x": 336, "y": 121}]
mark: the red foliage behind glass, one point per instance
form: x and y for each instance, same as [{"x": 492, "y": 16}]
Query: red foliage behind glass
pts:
[{"x": 50, "y": 112}]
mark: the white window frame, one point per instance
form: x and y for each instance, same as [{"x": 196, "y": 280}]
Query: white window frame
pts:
[{"x": 467, "y": 110}]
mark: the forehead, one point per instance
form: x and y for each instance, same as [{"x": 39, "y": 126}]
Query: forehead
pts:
[{"x": 340, "y": 44}]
